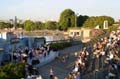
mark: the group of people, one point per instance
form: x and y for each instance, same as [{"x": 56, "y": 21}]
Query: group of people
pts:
[
  {"x": 31, "y": 57},
  {"x": 37, "y": 54},
  {"x": 80, "y": 65},
  {"x": 22, "y": 55},
  {"x": 100, "y": 56}
]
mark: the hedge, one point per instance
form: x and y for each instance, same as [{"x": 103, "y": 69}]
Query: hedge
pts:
[{"x": 59, "y": 46}]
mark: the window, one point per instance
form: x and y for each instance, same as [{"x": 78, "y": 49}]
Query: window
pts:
[{"x": 77, "y": 33}]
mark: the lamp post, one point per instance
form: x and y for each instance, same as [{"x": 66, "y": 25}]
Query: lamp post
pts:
[
  {"x": 11, "y": 22},
  {"x": 15, "y": 22}
]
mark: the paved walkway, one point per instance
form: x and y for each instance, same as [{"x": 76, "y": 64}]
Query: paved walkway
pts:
[{"x": 61, "y": 69}]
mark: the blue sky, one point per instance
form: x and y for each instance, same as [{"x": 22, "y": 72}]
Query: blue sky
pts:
[{"x": 51, "y": 9}]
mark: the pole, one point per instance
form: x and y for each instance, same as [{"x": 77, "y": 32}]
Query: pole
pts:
[{"x": 15, "y": 22}]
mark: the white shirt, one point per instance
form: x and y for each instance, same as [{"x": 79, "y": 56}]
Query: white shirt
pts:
[
  {"x": 102, "y": 53},
  {"x": 39, "y": 77},
  {"x": 111, "y": 56},
  {"x": 75, "y": 69}
]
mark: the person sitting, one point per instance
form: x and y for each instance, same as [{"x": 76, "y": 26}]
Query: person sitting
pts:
[
  {"x": 75, "y": 68},
  {"x": 110, "y": 56}
]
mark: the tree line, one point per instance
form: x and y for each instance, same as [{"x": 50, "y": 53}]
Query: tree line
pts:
[
  {"x": 68, "y": 18},
  {"x": 93, "y": 21}
]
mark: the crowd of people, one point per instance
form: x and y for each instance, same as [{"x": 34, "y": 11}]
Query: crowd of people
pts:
[
  {"x": 25, "y": 54},
  {"x": 31, "y": 57},
  {"x": 103, "y": 55}
]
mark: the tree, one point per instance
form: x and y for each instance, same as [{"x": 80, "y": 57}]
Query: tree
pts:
[
  {"x": 29, "y": 25},
  {"x": 51, "y": 25},
  {"x": 5, "y": 25},
  {"x": 67, "y": 19},
  {"x": 81, "y": 19},
  {"x": 92, "y": 22},
  {"x": 8, "y": 25},
  {"x": 12, "y": 71},
  {"x": 39, "y": 25},
  {"x": 19, "y": 25},
  {"x": 1, "y": 25}
]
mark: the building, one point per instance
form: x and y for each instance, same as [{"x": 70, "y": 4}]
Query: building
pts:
[
  {"x": 6, "y": 34},
  {"x": 74, "y": 32},
  {"x": 83, "y": 33},
  {"x": 33, "y": 41},
  {"x": 105, "y": 24},
  {"x": 79, "y": 32},
  {"x": 3, "y": 50}
]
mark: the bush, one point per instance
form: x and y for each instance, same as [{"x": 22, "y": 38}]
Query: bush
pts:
[
  {"x": 112, "y": 28},
  {"x": 3, "y": 75},
  {"x": 12, "y": 71},
  {"x": 59, "y": 46}
]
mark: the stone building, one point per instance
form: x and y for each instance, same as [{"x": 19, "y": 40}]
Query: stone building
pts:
[
  {"x": 74, "y": 32},
  {"x": 83, "y": 33}
]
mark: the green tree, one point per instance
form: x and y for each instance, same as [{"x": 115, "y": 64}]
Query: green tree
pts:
[
  {"x": 29, "y": 25},
  {"x": 20, "y": 25},
  {"x": 51, "y": 25},
  {"x": 1, "y": 25},
  {"x": 8, "y": 25},
  {"x": 12, "y": 71},
  {"x": 92, "y": 22},
  {"x": 39, "y": 25},
  {"x": 112, "y": 28},
  {"x": 67, "y": 19},
  {"x": 81, "y": 19},
  {"x": 5, "y": 25},
  {"x": 3, "y": 75}
]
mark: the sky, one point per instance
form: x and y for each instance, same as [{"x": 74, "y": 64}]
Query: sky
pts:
[{"x": 44, "y": 10}]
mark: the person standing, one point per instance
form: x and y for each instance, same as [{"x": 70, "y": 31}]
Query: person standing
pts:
[
  {"x": 102, "y": 52},
  {"x": 51, "y": 73}
]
